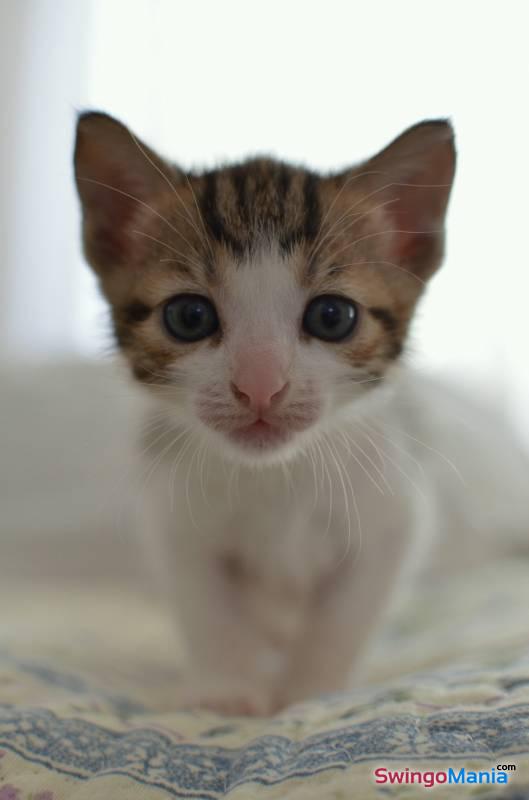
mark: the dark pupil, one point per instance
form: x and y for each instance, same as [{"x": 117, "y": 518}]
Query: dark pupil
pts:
[
  {"x": 330, "y": 316},
  {"x": 192, "y": 315}
]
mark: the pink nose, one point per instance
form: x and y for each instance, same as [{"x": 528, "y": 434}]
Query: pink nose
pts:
[{"x": 259, "y": 391}]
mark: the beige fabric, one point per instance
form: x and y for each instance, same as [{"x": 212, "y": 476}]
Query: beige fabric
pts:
[{"x": 87, "y": 676}]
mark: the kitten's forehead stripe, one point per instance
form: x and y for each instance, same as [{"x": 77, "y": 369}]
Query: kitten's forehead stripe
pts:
[
  {"x": 239, "y": 179},
  {"x": 312, "y": 207},
  {"x": 243, "y": 203},
  {"x": 212, "y": 217},
  {"x": 284, "y": 179},
  {"x": 208, "y": 206}
]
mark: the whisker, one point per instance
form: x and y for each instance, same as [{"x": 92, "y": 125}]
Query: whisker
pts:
[
  {"x": 173, "y": 470},
  {"x": 403, "y": 472},
  {"x": 387, "y": 263},
  {"x": 188, "y": 491},
  {"x": 334, "y": 201},
  {"x": 357, "y": 514},
  {"x": 379, "y": 189},
  {"x": 188, "y": 218},
  {"x": 345, "y": 497},
  {"x": 326, "y": 473},
  {"x": 145, "y": 205},
  {"x": 181, "y": 255},
  {"x": 158, "y": 459},
  {"x": 350, "y": 440},
  {"x": 204, "y": 453},
  {"x": 308, "y": 452},
  {"x": 358, "y": 217},
  {"x": 201, "y": 218},
  {"x": 430, "y": 448},
  {"x": 393, "y": 443}
]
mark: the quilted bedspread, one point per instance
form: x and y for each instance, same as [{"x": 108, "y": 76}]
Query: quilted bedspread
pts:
[{"x": 86, "y": 677}]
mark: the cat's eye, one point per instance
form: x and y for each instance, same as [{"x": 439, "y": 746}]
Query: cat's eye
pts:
[
  {"x": 190, "y": 317},
  {"x": 330, "y": 317}
]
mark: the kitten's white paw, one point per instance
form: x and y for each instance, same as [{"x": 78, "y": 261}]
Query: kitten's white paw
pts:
[{"x": 235, "y": 700}]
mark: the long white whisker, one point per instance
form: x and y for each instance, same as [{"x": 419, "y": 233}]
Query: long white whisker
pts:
[
  {"x": 430, "y": 448},
  {"x": 346, "y": 501},
  {"x": 156, "y": 461},
  {"x": 188, "y": 218},
  {"x": 379, "y": 189},
  {"x": 308, "y": 452},
  {"x": 326, "y": 473},
  {"x": 201, "y": 218},
  {"x": 145, "y": 205},
  {"x": 403, "y": 472},
  {"x": 358, "y": 218},
  {"x": 182, "y": 256},
  {"x": 350, "y": 440},
  {"x": 188, "y": 490},
  {"x": 334, "y": 201},
  {"x": 357, "y": 514},
  {"x": 387, "y": 263},
  {"x": 390, "y": 441}
]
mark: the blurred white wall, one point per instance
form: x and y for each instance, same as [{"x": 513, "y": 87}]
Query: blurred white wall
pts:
[
  {"x": 43, "y": 68},
  {"x": 323, "y": 83}
]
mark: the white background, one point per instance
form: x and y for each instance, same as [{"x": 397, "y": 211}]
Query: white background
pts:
[{"x": 325, "y": 83}]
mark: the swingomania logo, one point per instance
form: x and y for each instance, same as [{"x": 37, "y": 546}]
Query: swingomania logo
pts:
[{"x": 431, "y": 778}]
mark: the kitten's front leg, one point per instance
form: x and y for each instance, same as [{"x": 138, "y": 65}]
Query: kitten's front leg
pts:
[
  {"x": 233, "y": 665},
  {"x": 345, "y": 610}
]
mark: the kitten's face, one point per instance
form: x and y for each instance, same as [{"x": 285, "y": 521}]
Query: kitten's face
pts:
[{"x": 261, "y": 301}]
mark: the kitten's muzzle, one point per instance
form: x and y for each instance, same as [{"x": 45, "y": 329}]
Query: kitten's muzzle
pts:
[{"x": 264, "y": 430}]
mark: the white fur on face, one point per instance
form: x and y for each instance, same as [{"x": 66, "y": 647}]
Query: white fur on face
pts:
[{"x": 260, "y": 306}]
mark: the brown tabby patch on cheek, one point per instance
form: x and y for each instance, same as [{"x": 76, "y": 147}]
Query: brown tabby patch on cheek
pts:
[
  {"x": 379, "y": 340},
  {"x": 151, "y": 365},
  {"x": 395, "y": 328},
  {"x": 149, "y": 354},
  {"x": 395, "y": 350},
  {"x": 142, "y": 373},
  {"x": 127, "y": 318},
  {"x": 386, "y": 317},
  {"x": 154, "y": 357},
  {"x": 362, "y": 353}
]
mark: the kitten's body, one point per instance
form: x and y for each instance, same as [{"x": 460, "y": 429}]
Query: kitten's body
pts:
[
  {"x": 302, "y": 563},
  {"x": 265, "y": 307},
  {"x": 280, "y": 574}
]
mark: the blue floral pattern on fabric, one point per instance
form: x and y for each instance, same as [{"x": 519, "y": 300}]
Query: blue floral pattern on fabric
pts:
[{"x": 80, "y": 748}]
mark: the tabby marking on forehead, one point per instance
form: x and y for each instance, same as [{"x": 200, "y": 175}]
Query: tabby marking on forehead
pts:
[{"x": 246, "y": 204}]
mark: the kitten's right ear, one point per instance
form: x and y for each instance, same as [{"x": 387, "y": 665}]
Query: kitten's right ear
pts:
[{"x": 123, "y": 187}]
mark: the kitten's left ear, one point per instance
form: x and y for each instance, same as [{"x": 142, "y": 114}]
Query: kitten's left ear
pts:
[
  {"x": 410, "y": 182},
  {"x": 123, "y": 187}
]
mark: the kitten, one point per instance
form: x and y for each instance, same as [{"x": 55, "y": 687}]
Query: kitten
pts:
[{"x": 265, "y": 307}]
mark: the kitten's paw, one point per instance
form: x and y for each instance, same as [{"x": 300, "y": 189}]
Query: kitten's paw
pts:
[{"x": 233, "y": 700}]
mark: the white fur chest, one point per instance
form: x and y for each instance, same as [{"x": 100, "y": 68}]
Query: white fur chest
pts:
[{"x": 294, "y": 523}]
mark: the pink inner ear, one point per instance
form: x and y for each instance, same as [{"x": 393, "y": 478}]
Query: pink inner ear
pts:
[
  {"x": 414, "y": 221},
  {"x": 120, "y": 188},
  {"x": 417, "y": 213},
  {"x": 116, "y": 209},
  {"x": 119, "y": 211}
]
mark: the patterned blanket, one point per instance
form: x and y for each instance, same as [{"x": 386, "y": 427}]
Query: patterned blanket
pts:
[{"x": 86, "y": 678}]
